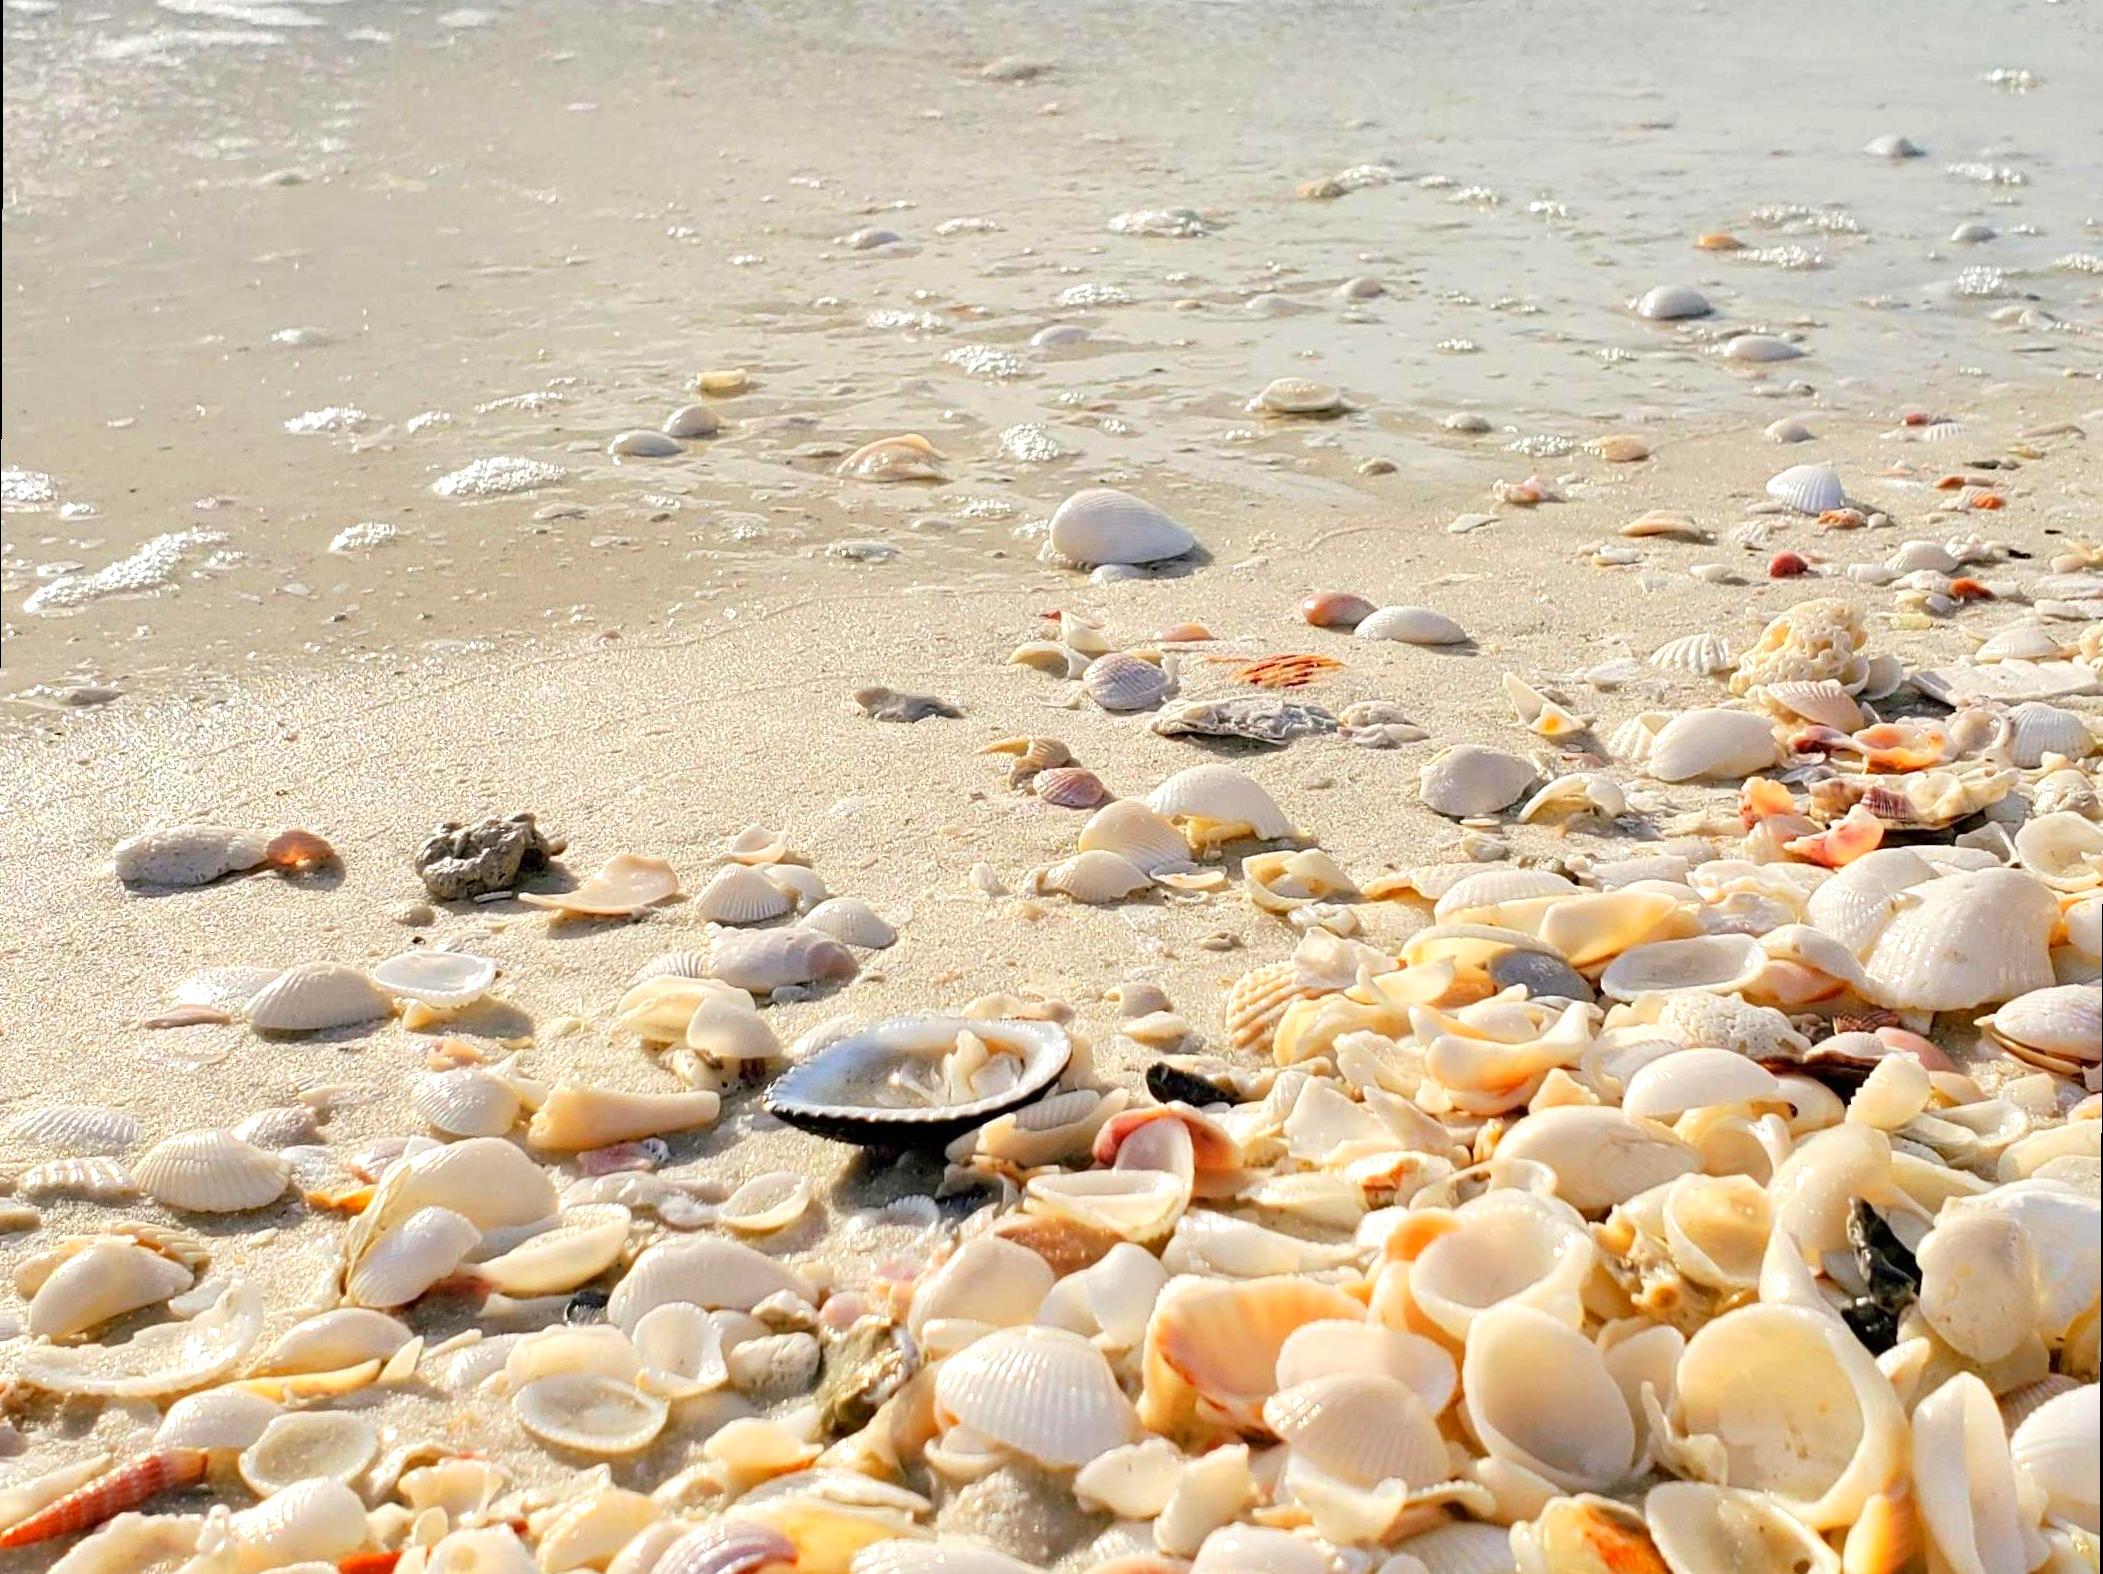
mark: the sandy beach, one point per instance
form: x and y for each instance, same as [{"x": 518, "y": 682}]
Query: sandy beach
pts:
[{"x": 652, "y": 655}]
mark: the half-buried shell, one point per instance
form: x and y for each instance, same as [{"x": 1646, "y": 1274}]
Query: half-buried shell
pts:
[{"x": 920, "y": 1081}]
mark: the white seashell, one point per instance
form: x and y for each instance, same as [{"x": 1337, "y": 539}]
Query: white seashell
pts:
[
  {"x": 626, "y": 883},
  {"x": 1670, "y": 302},
  {"x": 851, "y": 921},
  {"x": 1135, "y": 1481},
  {"x": 1964, "y": 1482},
  {"x": 75, "y": 1129},
  {"x": 1042, "y": 1393},
  {"x": 575, "y": 1116},
  {"x": 1135, "y": 1205},
  {"x": 1808, "y": 489},
  {"x": 1507, "y": 1248},
  {"x": 1411, "y": 626},
  {"x": 443, "y": 980},
  {"x": 410, "y": 1257},
  {"x": 738, "y": 895},
  {"x": 106, "y": 1279},
  {"x": 1820, "y": 700},
  {"x": 1717, "y": 1229},
  {"x": 2064, "y": 1021},
  {"x": 309, "y": 1522},
  {"x": 1299, "y": 396},
  {"x": 227, "y": 1419},
  {"x": 1599, "y": 1156},
  {"x": 1319, "y": 1349},
  {"x": 1696, "y": 1526},
  {"x": 766, "y": 1203},
  {"x": 1136, "y": 833},
  {"x": 1217, "y": 803},
  {"x": 589, "y": 1414},
  {"x": 1704, "y": 655},
  {"x": 1094, "y": 878},
  {"x": 727, "y": 1027},
  {"x": 466, "y": 1102},
  {"x": 1123, "y": 682},
  {"x": 2036, "y": 730},
  {"x": 1536, "y": 1393},
  {"x": 2062, "y": 849},
  {"x": 1362, "y": 1428},
  {"x": 1103, "y": 525},
  {"x": 184, "y": 855},
  {"x": 1978, "y": 1286},
  {"x": 592, "y": 1528},
  {"x": 345, "y": 1337},
  {"x": 585, "y": 1242},
  {"x": 681, "y": 1350},
  {"x": 1538, "y": 713},
  {"x": 692, "y": 420},
  {"x": 315, "y": 996},
  {"x": 672, "y": 964},
  {"x": 1964, "y": 940},
  {"x": 1470, "y": 780},
  {"x": 1710, "y": 745},
  {"x": 322, "y": 1445},
  {"x": 780, "y": 958},
  {"x": 595, "y": 1349},
  {"x": 497, "y": 1551},
  {"x": 211, "y": 1172},
  {"x": 101, "y": 1178},
  {"x": 1688, "y": 1079},
  {"x": 642, "y": 443},
  {"x": 1759, "y": 347},
  {"x": 2055, "y": 1446},
  {"x": 1718, "y": 964},
  {"x": 708, "y": 1272},
  {"x": 168, "y": 1358},
  {"x": 2025, "y": 641},
  {"x": 1593, "y": 791},
  {"x": 2062, "y": 1223}
]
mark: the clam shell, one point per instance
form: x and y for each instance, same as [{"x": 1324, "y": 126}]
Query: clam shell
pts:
[
  {"x": 1687, "y": 1079},
  {"x": 1219, "y": 796},
  {"x": 642, "y": 443},
  {"x": 168, "y": 1358},
  {"x": 1718, "y": 964},
  {"x": 2062, "y": 849},
  {"x": 211, "y": 1172},
  {"x": 987, "y": 1283},
  {"x": 708, "y": 1272},
  {"x": 909, "y": 457},
  {"x": 1133, "y": 831},
  {"x": 588, "y": 1531},
  {"x": 1671, "y": 302},
  {"x": 1599, "y": 1156},
  {"x": 589, "y": 1414},
  {"x": 1978, "y": 1285},
  {"x": 1103, "y": 525},
  {"x": 2055, "y": 1445},
  {"x": 315, "y": 996},
  {"x": 1697, "y": 1527},
  {"x": 728, "y": 1028},
  {"x": 575, "y": 1116},
  {"x": 731, "y": 1546},
  {"x": 1507, "y": 1248},
  {"x": 681, "y": 1348},
  {"x": 184, "y": 855},
  {"x": 850, "y": 1089},
  {"x": 106, "y": 1279},
  {"x": 1964, "y": 1481},
  {"x": 1132, "y": 1205},
  {"x": 1537, "y": 1394},
  {"x": 2064, "y": 1021},
  {"x": 1704, "y": 655},
  {"x": 314, "y": 1521},
  {"x": 1711, "y": 745},
  {"x": 802, "y": 885},
  {"x": 484, "y": 1179},
  {"x": 692, "y": 420},
  {"x": 1257, "y": 999},
  {"x": 1758, "y": 348},
  {"x": 1411, "y": 626},
  {"x": 75, "y": 1129},
  {"x": 1043, "y": 1393},
  {"x": 220, "y": 1419},
  {"x": 1470, "y": 780},
  {"x": 347, "y": 1336},
  {"x": 626, "y": 883},
  {"x": 1123, "y": 682},
  {"x": 1964, "y": 940},
  {"x": 330, "y": 1445},
  {"x": 410, "y": 1257},
  {"x": 222, "y": 988},
  {"x": 466, "y": 1102},
  {"x": 766, "y": 1203},
  {"x": 659, "y": 1008},
  {"x": 1322, "y": 1348},
  {"x": 1094, "y": 877},
  {"x": 2025, "y": 641},
  {"x": 774, "y": 959},
  {"x": 1299, "y": 396},
  {"x": 738, "y": 895},
  {"x": 1820, "y": 700},
  {"x": 1212, "y": 1345},
  {"x": 595, "y": 1348},
  {"x": 585, "y": 1242},
  {"x": 851, "y": 921},
  {"x": 2036, "y": 730}
]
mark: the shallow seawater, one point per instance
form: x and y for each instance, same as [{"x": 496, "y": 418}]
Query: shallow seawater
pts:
[{"x": 319, "y": 317}]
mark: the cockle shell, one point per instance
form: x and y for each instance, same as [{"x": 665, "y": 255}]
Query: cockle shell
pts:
[
  {"x": 1103, "y": 525},
  {"x": 2055, "y": 1445},
  {"x": 1964, "y": 940},
  {"x": 75, "y": 1128},
  {"x": 868, "y": 1087},
  {"x": 1211, "y": 1353},
  {"x": 2062, "y": 849},
  {"x": 211, "y": 1172},
  {"x": 1069, "y": 787},
  {"x": 1711, "y": 745},
  {"x": 575, "y": 1115},
  {"x": 410, "y": 1257},
  {"x": 2025, "y": 641},
  {"x": 1361, "y": 1428},
  {"x": 1043, "y": 1393},
  {"x": 851, "y": 921},
  {"x": 1538, "y": 1394},
  {"x": 596, "y": 1348},
  {"x": 2036, "y": 730},
  {"x": 331, "y": 1445},
  {"x": 1146, "y": 839},
  {"x": 168, "y": 1358},
  {"x": 466, "y": 1102},
  {"x": 315, "y": 996},
  {"x": 1704, "y": 655},
  {"x": 738, "y": 895},
  {"x": 105, "y": 1280},
  {"x": 589, "y": 1414},
  {"x": 1470, "y": 780},
  {"x": 1808, "y": 489},
  {"x": 1124, "y": 682},
  {"x": 626, "y": 883},
  {"x": 100, "y": 1178},
  {"x": 1218, "y": 803},
  {"x": 2063, "y": 1022},
  {"x": 908, "y": 457},
  {"x": 1094, "y": 877},
  {"x": 1820, "y": 700},
  {"x": 1411, "y": 626},
  {"x": 184, "y": 855},
  {"x": 763, "y": 962}
]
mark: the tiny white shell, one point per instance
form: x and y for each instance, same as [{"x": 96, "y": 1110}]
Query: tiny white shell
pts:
[
  {"x": 315, "y": 1521},
  {"x": 739, "y": 895},
  {"x": 1808, "y": 489},
  {"x": 343, "y": 1337},
  {"x": 1094, "y": 877},
  {"x": 1411, "y": 626},
  {"x": 99, "y": 1282}
]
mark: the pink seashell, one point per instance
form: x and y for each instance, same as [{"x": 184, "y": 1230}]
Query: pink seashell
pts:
[
  {"x": 1071, "y": 787},
  {"x": 623, "y": 1157}
]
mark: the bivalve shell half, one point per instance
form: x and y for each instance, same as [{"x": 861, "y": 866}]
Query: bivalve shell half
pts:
[
  {"x": 1299, "y": 396},
  {"x": 345, "y": 1337},
  {"x": 740, "y": 895},
  {"x": 1689, "y": 1079},
  {"x": 211, "y": 1172},
  {"x": 1470, "y": 780},
  {"x": 2036, "y": 729},
  {"x": 1711, "y": 745},
  {"x": 708, "y": 1272},
  {"x": 1697, "y": 1527},
  {"x": 316, "y": 996},
  {"x": 1411, "y": 626},
  {"x": 168, "y": 1358},
  {"x": 227, "y": 1419},
  {"x": 1103, "y": 525},
  {"x": 1600, "y": 1156},
  {"x": 2056, "y": 1447},
  {"x": 1146, "y": 839},
  {"x": 443, "y": 980},
  {"x": 851, "y": 921},
  {"x": 74, "y": 1129},
  {"x": 1715, "y": 964},
  {"x": 332, "y": 1445},
  {"x": 466, "y": 1102},
  {"x": 584, "y": 1243},
  {"x": 1213, "y": 802},
  {"x": 105, "y": 1279},
  {"x": 1703, "y": 655},
  {"x": 1043, "y": 1393},
  {"x": 1537, "y": 1394},
  {"x": 1362, "y": 1428},
  {"x": 407, "y": 1259},
  {"x": 1964, "y": 940},
  {"x": 2063, "y": 1022},
  {"x": 763, "y": 962},
  {"x": 1808, "y": 489},
  {"x": 590, "y": 1414},
  {"x": 1124, "y": 682},
  {"x": 871, "y": 1087},
  {"x": 1094, "y": 878},
  {"x": 626, "y": 883},
  {"x": 1672, "y": 302},
  {"x": 312, "y": 1521}
]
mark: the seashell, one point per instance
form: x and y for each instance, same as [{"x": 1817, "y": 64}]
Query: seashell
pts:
[
  {"x": 483, "y": 1179},
  {"x": 1043, "y": 1393},
  {"x": 802, "y": 885},
  {"x": 220, "y": 1419},
  {"x": 2063, "y": 1022},
  {"x": 1710, "y": 745},
  {"x": 659, "y": 1008},
  {"x": 780, "y": 958},
  {"x": 1103, "y": 525},
  {"x": 1143, "y": 838},
  {"x": 1964, "y": 1481},
  {"x": 773, "y": 1367},
  {"x": 1217, "y": 803},
  {"x": 1124, "y": 682},
  {"x": 766, "y": 1203},
  {"x": 1094, "y": 877},
  {"x": 643, "y": 443},
  {"x": 75, "y": 1129},
  {"x": 466, "y": 1102},
  {"x": 1799, "y": 1407},
  {"x": 106, "y": 1279},
  {"x": 187, "y": 855},
  {"x": 1600, "y": 1156},
  {"x": 909, "y": 457},
  {"x": 1260, "y": 718},
  {"x": 1299, "y": 396},
  {"x": 348, "y": 1336},
  {"x": 409, "y": 1257},
  {"x": 1506, "y": 1248},
  {"x": 1361, "y": 1428},
  {"x": 315, "y": 996},
  {"x": 2055, "y": 1446},
  {"x": 1132, "y": 1204},
  {"x": 1470, "y": 780},
  {"x": 1819, "y": 700},
  {"x": 1696, "y": 1526},
  {"x": 1212, "y": 1346},
  {"x": 316, "y": 1445},
  {"x": 1284, "y": 881},
  {"x": 1671, "y": 302},
  {"x": 1717, "y": 964},
  {"x": 1701, "y": 654},
  {"x": 585, "y": 1242},
  {"x": 728, "y": 1029},
  {"x": 1664, "y": 522},
  {"x": 168, "y": 1358},
  {"x": 589, "y": 1530},
  {"x": 692, "y": 420},
  {"x": 281, "y": 1126},
  {"x": 738, "y": 895},
  {"x": 852, "y": 921},
  {"x": 1759, "y": 348},
  {"x": 1589, "y": 791},
  {"x": 211, "y": 1172},
  {"x": 102, "y": 1497},
  {"x": 1963, "y": 940},
  {"x": 2036, "y": 730},
  {"x": 2062, "y": 849},
  {"x": 730, "y": 1546},
  {"x": 2025, "y": 641},
  {"x": 589, "y": 1414},
  {"x": 898, "y": 1083},
  {"x": 1688, "y": 1079},
  {"x": 575, "y": 1115},
  {"x": 1050, "y": 657},
  {"x": 1538, "y": 713},
  {"x": 1411, "y": 626},
  {"x": 681, "y": 1350},
  {"x": 625, "y": 884},
  {"x": 1538, "y": 1394},
  {"x": 708, "y": 1271},
  {"x": 1070, "y": 787},
  {"x": 1336, "y": 609},
  {"x": 102, "y": 1179},
  {"x": 1978, "y": 1285}
]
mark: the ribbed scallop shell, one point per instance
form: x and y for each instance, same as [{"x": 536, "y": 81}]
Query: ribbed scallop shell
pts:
[
  {"x": 2065, "y": 1020},
  {"x": 851, "y": 921},
  {"x": 1094, "y": 877},
  {"x": 1808, "y": 489},
  {"x": 103, "y": 1280},
  {"x": 672, "y": 964},
  {"x": 322, "y": 1445},
  {"x": 280, "y": 1126},
  {"x": 75, "y": 1129},
  {"x": 315, "y": 996},
  {"x": 1137, "y": 834},
  {"x": 1103, "y": 525},
  {"x": 1704, "y": 655},
  {"x": 738, "y": 895},
  {"x": 589, "y": 1414},
  {"x": 329, "y": 1342},
  {"x": 410, "y": 1257},
  {"x": 1122, "y": 682},
  {"x": 1491, "y": 887},
  {"x": 586, "y": 1241},
  {"x": 2026, "y": 641},
  {"x": 1965, "y": 940},
  {"x": 466, "y": 1102},
  {"x": 103, "y": 1179},
  {"x": 2036, "y": 730},
  {"x": 763, "y": 962},
  {"x": 706, "y": 1271},
  {"x": 1360, "y": 1427},
  {"x": 2056, "y": 1445},
  {"x": 1220, "y": 795},
  {"x": 1043, "y": 1393},
  {"x": 1470, "y": 780},
  {"x": 1213, "y": 1344},
  {"x": 221, "y": 1418},
  {"x": 211, "y": 1172},
  {"x": 1069, "y": 787},
  {"x": 1854, "y": 906},
  {"x": 1411, "y": 626},
  {"x": 445, "y": 980},
  {"x": 1711, "y": 745},
  {"x": 1817, "y": 699},
  {"x": 168, "y": 1358},
  {"x": 1257, "y": 999},
  {"x": 1717, "y": 964}
]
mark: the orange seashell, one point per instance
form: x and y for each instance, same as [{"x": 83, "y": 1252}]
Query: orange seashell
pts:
[
  {"x": 1183, "y": 634},
  {"x": 1717, "y": 240},
  {"x": 108, "y": 1495},
  {"x": 1331, "y": 609},
  {"x": 1842, "y": 843},
  {"x": 1989, "y": 501},
  {"x": 1762, "y": 796},
  {"x": 1949, "y": 483},
  {"x": 1286, "y": 672},
  {"x": 369, "y": 1562},
  {"x": 350, "y": 1200},
  {"x": 298, "y": 852},
  {"x": 1970, "y": 589}
]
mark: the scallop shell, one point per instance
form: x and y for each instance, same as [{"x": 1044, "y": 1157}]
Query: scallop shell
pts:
[
  {"x": 1537, "y": 1394},
  {"x": 1718, "y": 964},
  {"x": 763, "y": 962},
  {"x": 575, "y": 1115},
  {"x": 410, "y": 1257},
  {"x": 345, "y": 1337},
  {"x": 1103, "y": 525},
  {"x": 626, "y": 883},
  {"x": 585, "y": 1242},
  {"x": 315, "y": 996},
  {"x": 1964, "y": 940},
  {"x": 1094, "y": 877},
  {"x": 1212, "y": 1345},
  {"x": 707, "y": 1271},
  {"x": 168, "y": 1358},
  {"x": 466, "y": 1102},
  {"x": 1215, "y": 802},
  {"x": 589, "y": 1414},
  {"x": 75, "y": 1129},
  {"x": 2064, "y": 1022},
  {"x": 1362, "y": 1428},
  {"x": 2025, "y": 641},
  {"x": 1704, "y": 655},
  {"x": 738, "y": 895},
  {"x": 211, "y": 1172},
  {"x": 2036, "y": 730},
  {"x": 1469, "y": 780},
  {"x": 104, "y": 1280},
  {"x": 853, "y": 1090},
  {"x": 185, "y": 855},
  {"x": 1043, "y": 1393},
  {"x": 219, "y": 1419},
  {"x": 1123, "y": 682},
  {"x": 1671, "y": 302},
  {"x": 1146, "y": 839},
  {"x": 1820, "y": 700},
  {"x": 1257, "y": 999},
  {"x": 330, "y": 1445},
  {"x": 101, "y": 1178},
  {"x": 1711, "y": 745},
  {"x": 1069, "y": 787},
  {"x": 1411, "y": 626},
  {"x": 672, "y": 964},
  {"x": 851, "y": 921},
  {"x": 2055, "y": 1446}
]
